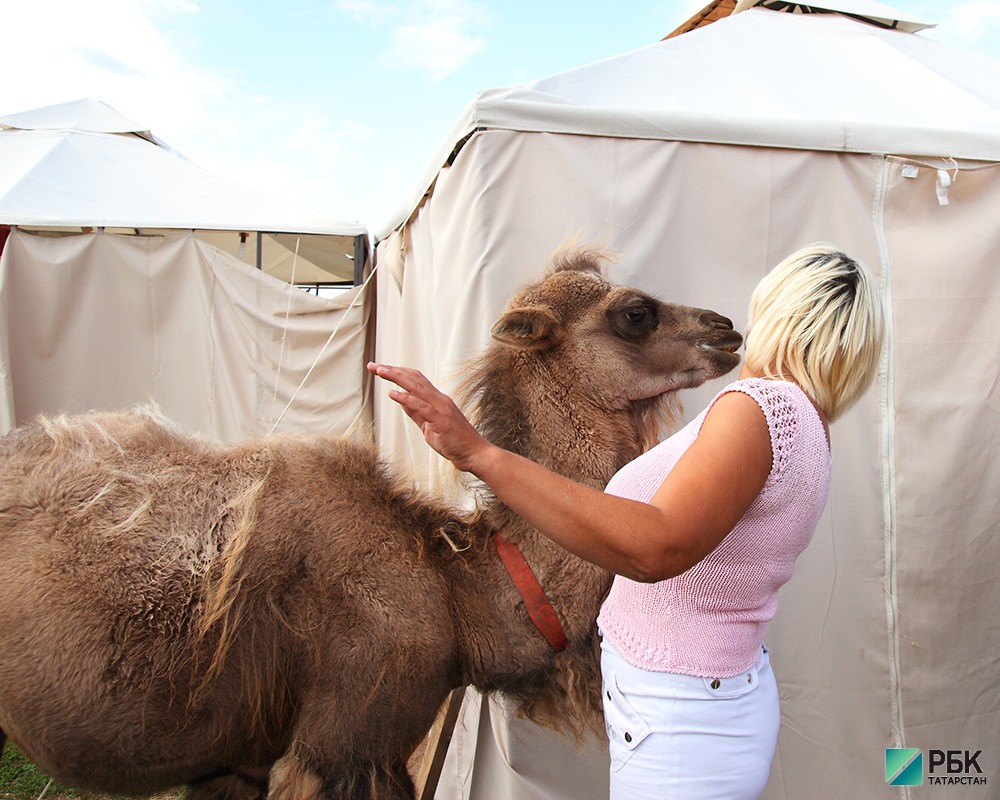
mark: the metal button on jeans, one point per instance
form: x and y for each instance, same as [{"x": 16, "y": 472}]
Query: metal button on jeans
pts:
[{"x": 716, "y": 683}]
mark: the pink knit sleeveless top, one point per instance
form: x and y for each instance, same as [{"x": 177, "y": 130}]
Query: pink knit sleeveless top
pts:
[{"x": 710, "y": 621}]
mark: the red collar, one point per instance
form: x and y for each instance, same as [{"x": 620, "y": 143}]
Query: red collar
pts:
[{"x": 539, "y": 608}]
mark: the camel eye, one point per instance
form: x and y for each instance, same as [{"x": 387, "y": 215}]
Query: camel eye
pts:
[{"x": 635, "y": 321}]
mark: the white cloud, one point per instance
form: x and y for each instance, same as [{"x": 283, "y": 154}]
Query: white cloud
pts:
[
  {"x": 974, "y": 24},
  {"x": 117, "y": 51},
  {"x": 437, "y": 47},
  {"x": 434, "y": 37},
  {"x": 182, "y": 5},
  {"x": 364, "y": 10},
  {"x": 110, "y": 50},
  {"x": 101, "y": 60},
  {"x": 970, "y": 18}
]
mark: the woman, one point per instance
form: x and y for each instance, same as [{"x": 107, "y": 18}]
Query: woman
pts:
[{"x": 701, "y": 531}]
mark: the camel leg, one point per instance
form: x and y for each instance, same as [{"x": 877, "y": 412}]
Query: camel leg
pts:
[
  {"x": 247, "y": 784},
  {"x": 292, "y": 779},
  {"x": 378, "y": 781},
  {"x": 353, "y": 736},
  {"x": 367, "y": 761}
]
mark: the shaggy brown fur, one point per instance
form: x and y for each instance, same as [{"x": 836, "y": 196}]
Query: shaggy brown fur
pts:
[{"x": 285, "y": 616}]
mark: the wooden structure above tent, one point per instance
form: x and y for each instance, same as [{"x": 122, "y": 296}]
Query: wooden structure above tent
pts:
[
  {"x": 874, "y": 13},
  {"x": 709, "y": 14},
  {"x": 870, "y": 11}
]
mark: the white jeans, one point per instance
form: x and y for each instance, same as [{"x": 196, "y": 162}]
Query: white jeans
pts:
[{"x": 680, "y": 737}]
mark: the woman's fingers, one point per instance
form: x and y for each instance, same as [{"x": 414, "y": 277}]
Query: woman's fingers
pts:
[
  {"x": 442, "y": 423},
  {"x": 413, "y": 383},
  {"x": 416, "y": 409},
  {"x": 420, "y": 399},
  {"x": 404, "y": 377}
]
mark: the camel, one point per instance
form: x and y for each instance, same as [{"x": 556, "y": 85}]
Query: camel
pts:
[{"x": 283, "y": 617}]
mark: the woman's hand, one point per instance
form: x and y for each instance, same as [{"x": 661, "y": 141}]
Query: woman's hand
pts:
[{"x": 443, "y": 425}]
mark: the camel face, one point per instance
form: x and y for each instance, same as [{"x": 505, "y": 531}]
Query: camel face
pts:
[
  {"x": 621, "y": 344},
  {"x": 664, "y": 347}
]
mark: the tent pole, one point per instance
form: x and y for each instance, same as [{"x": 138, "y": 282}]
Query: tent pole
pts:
[
  {"x": 436, "y": 744},
  {"x": 360, "y": 258},
  {"x": 260, "y": 260}
]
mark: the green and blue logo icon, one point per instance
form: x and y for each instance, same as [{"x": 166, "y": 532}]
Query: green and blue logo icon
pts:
[{"x": 904, "y": 766}]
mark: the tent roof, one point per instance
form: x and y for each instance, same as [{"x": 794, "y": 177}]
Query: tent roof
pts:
[
  {"x": 762, "y": 78},
  {"x": 82, "y": 115},
  {"x": 84, "y": 164}
]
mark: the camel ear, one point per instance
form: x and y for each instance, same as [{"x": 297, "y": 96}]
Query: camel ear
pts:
[{"x": 531, "y": 328}]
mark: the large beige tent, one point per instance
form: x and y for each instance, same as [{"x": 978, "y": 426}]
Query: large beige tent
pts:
[
  {"x": 131, "y": 275},
  {"x": 700, "y": 162}
]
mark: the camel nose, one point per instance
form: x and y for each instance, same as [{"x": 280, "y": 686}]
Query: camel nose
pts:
[{"x": 715, "y": 320}]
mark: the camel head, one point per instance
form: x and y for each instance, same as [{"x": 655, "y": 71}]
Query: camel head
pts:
[
  {"x": 580, "y": 352},
  {"x": 623, "y": 344}
]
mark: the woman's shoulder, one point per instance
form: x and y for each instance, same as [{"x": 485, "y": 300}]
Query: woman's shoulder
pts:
[
  {"x": 787, "y": 410},
  {"x": 779, "y": 399},
  {"x": 769, "y": 387}
]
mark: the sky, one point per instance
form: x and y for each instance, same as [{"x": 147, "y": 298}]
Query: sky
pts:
[{"x": 336, "y": 105}]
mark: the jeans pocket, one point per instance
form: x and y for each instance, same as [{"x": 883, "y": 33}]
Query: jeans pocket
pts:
[{"x": 626, "y": 728}]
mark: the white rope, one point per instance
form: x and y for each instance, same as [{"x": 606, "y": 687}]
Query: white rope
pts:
[
  {"x": 284, "y": 330},
  {"x": 330, "y": 338},
  {"x": 45, "y": 789}
]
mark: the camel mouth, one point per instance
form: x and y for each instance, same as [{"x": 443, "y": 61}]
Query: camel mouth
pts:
[
  {"x": 731, "y": 345},
  {"x": 727, "y": 358}
]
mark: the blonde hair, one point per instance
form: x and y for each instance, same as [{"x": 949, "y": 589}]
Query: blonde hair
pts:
[{"x": 817, "y": 319}]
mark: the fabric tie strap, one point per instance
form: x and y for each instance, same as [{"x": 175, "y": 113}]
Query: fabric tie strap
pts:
[{"x": 539, "y": 608}]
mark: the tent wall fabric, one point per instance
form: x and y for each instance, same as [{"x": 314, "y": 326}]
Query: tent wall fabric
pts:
[
  {"x": 103, "y": 321},
  {"x": 885, "y": 635}
]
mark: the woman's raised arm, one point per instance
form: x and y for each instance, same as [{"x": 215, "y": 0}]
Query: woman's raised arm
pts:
[{"x": 700, "y": 501}]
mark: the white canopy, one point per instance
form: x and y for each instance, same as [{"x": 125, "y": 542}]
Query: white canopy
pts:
[
  {"x": 816, "y": 82},
  {"x": 83, "y": 165}
]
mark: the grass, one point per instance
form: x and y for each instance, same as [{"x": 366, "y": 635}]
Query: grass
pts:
[{"x": 21, "y": 780}]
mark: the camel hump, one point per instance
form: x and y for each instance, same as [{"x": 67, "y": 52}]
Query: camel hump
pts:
[{"x": 111, "y": 435}]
